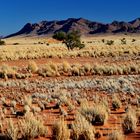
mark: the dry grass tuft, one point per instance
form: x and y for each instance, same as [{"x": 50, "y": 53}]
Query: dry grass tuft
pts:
[
  {"x": 32, "y": 67},
  {"x": 12, "y": 130},
  {"x": 60, "y": 130},
  {"x": 82, "y": 129},
  {"x": 116, "y": 135},
  {"x": 97, "y": 114},
  {"x": 130, "y": 122},
  {"x": 32, "y": 127}
]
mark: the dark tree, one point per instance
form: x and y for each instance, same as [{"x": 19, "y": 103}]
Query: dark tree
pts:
[
  {"x": 2, "y": 42},
  {"x": 60, "y": 36},
  {"x": 71, "y": 39}
]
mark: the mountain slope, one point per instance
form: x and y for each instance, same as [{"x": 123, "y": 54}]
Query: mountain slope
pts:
[{"x": 86, "y": 27}]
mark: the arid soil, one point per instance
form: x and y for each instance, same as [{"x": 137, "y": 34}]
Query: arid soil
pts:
[{"x": 71, "y": 90}]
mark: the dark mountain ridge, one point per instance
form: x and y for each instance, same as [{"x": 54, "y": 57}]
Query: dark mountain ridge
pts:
[{"x": 86, "y": 27}]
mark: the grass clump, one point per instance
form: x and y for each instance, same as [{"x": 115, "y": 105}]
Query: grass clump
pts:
[
  {"x": 82, "y": 129},
  {"x": 32, "y": 127},
  {"x": 7, "y": 72},
  {"x": 116, "y": 135},
  {"x": 32, "y": 67},
  {"x": 60, "y": 130},
  {"x": 130, "y": 122},
  {"x": 12, "y": 130},
  {"x": 97, "y": 114},
  {"x": 116, "y": 103}
]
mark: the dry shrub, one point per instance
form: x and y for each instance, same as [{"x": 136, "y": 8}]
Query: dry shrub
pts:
[
  {"x": 82, "y": 129},
  {"x": 116, "y": 135},
  {"x": 32, "y": 66},
  {"x": 32, "y": 127},
  {"x": 60, "y": 130},
  {"x": 130, "y": 122}
]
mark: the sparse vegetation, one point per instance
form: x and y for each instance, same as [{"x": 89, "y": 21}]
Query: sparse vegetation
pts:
[{"x": 80, "y": 94}]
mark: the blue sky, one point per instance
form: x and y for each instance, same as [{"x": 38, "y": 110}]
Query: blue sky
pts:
[{"x": 14, "y": 14}]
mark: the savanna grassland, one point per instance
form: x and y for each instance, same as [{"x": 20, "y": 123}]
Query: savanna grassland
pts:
[{"x": 50, "y": 92}]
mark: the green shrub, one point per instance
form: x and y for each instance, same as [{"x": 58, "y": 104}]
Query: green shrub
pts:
[
  {"x": 2, "y": 42},
  {"x": 72, "y": 39}
]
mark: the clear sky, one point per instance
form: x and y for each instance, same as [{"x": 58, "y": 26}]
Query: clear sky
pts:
[{"x": 15, "y": 13}]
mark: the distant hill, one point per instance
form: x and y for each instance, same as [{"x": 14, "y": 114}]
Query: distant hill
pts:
[{"x": 86, "y": 27}]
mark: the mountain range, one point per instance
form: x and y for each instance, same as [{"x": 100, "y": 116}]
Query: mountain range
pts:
[{"x": 85, "y": 26}]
